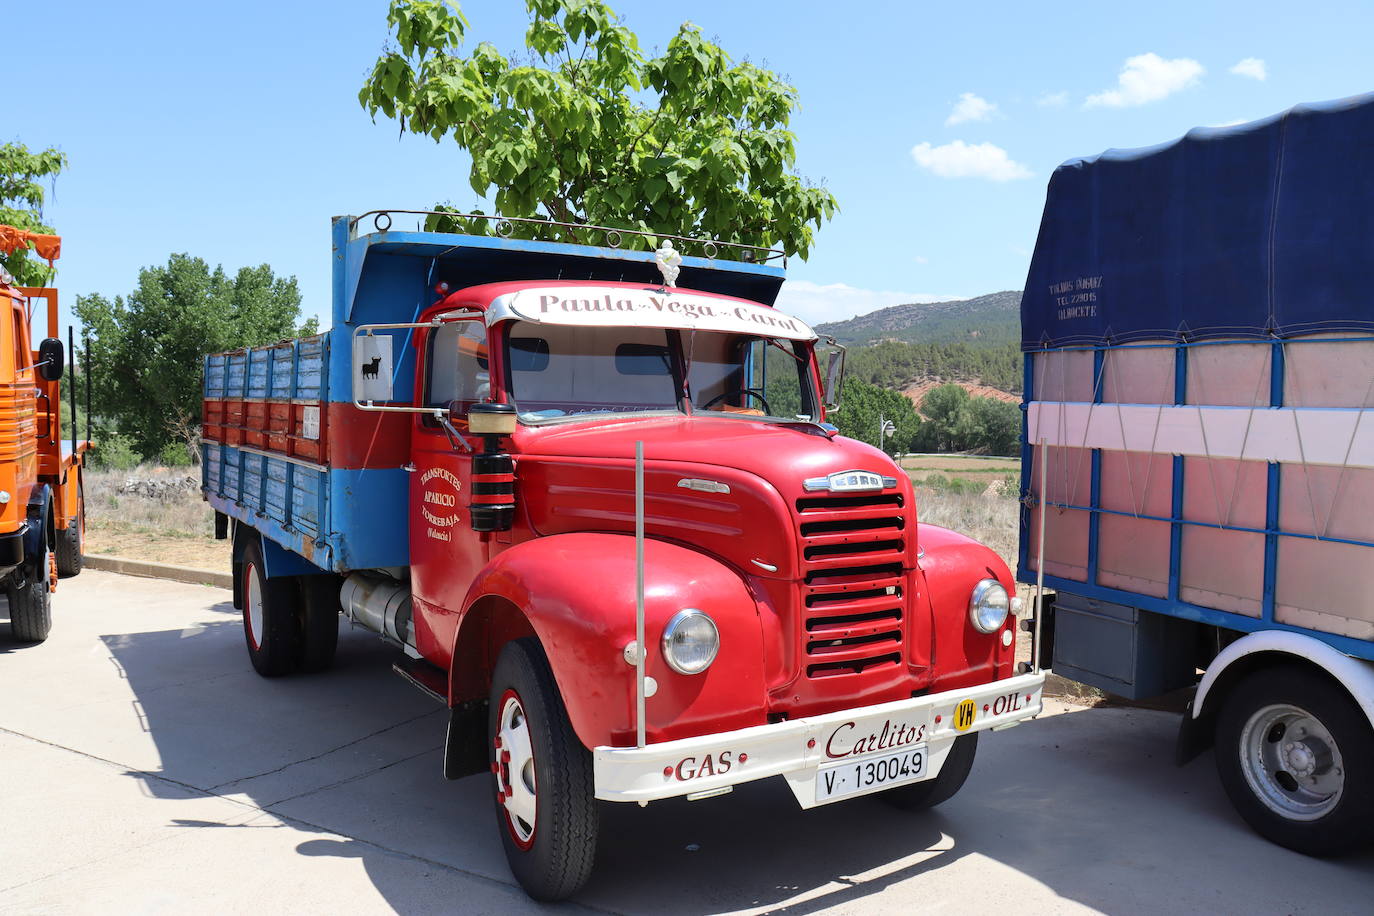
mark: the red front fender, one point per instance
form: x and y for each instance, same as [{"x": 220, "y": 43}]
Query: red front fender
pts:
[
  {"x": 952, "y": 565},
  {"x": 577, "y": 592}
]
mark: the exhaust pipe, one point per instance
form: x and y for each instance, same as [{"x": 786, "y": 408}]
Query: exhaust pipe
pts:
[{"x": 382, "y": 605}]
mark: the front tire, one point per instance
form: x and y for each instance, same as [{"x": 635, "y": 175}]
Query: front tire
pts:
[
  {"x": 1296, "y": 756},
  {"x": 30, "y": 599},
  {"x": 918, "y": 796},
  {"x": 541, "y": 777},
  {"x": 269, "y": 616}
]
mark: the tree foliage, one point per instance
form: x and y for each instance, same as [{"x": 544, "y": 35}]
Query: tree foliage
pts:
[
  {"x": 21, "y": 204},
  {"x": 587, "y": 129},
  {"x": 862, "y": 409},
  {"x": 892, "y": 364},
  {"x": 148, "y": 347},
  {"x": 957, "y": 422}
]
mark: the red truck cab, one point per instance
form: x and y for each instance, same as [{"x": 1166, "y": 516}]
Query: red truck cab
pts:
[{"x": 579, "y": 450}]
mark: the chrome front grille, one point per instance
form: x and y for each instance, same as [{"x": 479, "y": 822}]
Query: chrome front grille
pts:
[{"x": 853, "y": 549}]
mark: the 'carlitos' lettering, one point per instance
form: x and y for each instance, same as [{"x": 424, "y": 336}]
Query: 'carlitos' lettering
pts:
[{"x": 887, "y": 737}]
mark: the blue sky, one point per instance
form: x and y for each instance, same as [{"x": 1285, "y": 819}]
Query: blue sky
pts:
[{"x": 233, "y": 132}]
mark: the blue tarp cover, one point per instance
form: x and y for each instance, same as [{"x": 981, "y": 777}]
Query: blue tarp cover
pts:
[{"x": 1265, "y": 229}]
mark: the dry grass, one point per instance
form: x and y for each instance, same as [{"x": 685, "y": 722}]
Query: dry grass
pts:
[
  {"x": 990, "y": 519},
  {"x": 964, "y": 465},
  {"x": 177, "y": 529}
]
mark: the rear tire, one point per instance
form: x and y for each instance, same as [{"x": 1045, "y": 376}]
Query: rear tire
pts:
[
  {"x": 71, "y": 540},
  {"x": 928, "y": 793},
  {"x": 319, "y": 622},
  {"x": 30, "y": 600},
  {"x": 270, "y": 626},
  {"x": 541, "y": 777},
  {"x": 1296, "y": 757}
]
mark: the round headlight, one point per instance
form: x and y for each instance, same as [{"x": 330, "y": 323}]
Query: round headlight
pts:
[
  {"x": 690, "y": 642},
  {"x": 988, "y": 607}
]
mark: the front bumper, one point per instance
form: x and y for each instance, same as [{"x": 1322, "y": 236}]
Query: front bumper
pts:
[{"x": 795, "y": 749}]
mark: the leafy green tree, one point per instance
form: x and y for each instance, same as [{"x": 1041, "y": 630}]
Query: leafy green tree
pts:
[
  {"x": 148, "y": 347},
  {"x": 21, "y": 204},
  {"x": 586, "y": 129},
  {"x": 862, "y": 409},
  {"x": 995, "y": 426},
  {"x": 957, "y": 422},
  {"x": 942, "y": 407}
]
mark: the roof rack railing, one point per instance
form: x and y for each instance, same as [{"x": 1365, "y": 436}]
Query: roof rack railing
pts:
[{"x": 504, "y": 226}]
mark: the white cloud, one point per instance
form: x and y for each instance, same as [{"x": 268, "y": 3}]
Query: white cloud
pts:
[
  {"x": 1148, "y": 78},
  {"x": 819, "y": 302},
  {"x": 971, "y": 107},
  {"x": 1252, "y": 67},
  {"x": 1053, "y": 100},
  {"x": 921, "y": 259},
  {"x": 968, "y": 160}
]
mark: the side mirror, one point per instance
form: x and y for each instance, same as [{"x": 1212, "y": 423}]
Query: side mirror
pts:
[
  {"x": 834, "y": 375},
  {"x": 51, "y": 359},
  {"x": 372, "y": 368}
]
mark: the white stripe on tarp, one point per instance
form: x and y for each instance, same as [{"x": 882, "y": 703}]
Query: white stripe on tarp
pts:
[{"x": 1314, "y": 435}]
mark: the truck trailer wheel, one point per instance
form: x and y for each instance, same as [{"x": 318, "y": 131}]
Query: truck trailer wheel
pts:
[
  {"x": 1296, "y": 756},
  {"x": 541, "y": 777},
  {"x": 270, "y": 624},
  {"x": 71, "y": 539},
  {"x": 918, "y": 796},
  {"x": 30, "y": 599},
  {"x": 319, "y": 622}
]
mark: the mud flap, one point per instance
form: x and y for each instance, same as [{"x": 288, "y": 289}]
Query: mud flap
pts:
[
  {"x": 465, "y": 750},
  {"x": 1194, "y": 736}
]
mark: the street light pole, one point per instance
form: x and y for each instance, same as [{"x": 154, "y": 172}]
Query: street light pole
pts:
[{"x": 885, "y": 429}]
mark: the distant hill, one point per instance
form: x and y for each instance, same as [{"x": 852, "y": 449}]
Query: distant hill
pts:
[{"x": 993, "y": 320}]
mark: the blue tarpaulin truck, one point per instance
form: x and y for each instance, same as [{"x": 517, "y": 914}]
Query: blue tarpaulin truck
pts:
[{"x": 1198, "y": 474}]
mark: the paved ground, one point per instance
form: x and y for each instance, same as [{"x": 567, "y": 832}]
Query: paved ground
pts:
[{"x": 145, "y": 768}]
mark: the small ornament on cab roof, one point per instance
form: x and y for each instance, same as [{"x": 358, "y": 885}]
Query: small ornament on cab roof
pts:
[{"x": 669, "y": 263}]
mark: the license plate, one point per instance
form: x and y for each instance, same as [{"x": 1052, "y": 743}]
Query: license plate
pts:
[{"x": 870, "y": 774}]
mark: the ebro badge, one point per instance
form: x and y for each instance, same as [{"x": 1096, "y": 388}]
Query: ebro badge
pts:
[
  {"x": 372, "y": 367},
  {"x": 849, "y": 482}
]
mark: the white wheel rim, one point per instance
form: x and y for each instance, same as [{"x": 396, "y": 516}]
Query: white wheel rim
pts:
[
  {"x": 515, "y": 772},
  {"x": 252, "y": 604},
  {"x": 1292, "y": 763}
]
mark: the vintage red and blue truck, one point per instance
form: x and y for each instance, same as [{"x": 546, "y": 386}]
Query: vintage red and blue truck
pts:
[{"x": 604, "y": 521}]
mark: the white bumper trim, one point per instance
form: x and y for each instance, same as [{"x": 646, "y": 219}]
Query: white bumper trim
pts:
[{"x": 689, "y": 766}]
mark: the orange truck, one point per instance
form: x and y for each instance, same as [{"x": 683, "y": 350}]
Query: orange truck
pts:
[{"x": 42, "y": 503}]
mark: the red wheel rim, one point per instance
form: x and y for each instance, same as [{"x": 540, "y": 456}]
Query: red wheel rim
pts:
[
  {"x": 252, "y": 605},
  {"x": 514, "y": 767}
]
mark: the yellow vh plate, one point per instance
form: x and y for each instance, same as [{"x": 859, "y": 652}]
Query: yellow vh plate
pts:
[{"x": 964, "y": 714}]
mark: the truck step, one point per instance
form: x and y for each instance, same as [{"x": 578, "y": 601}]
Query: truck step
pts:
[{"x": 430, "y": 679}]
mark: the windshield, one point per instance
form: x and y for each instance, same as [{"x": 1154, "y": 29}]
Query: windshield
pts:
[{"x": 565, "y": 370}]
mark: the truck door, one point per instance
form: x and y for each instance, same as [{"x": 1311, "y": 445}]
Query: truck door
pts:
[{"x": 445, "y": 552}]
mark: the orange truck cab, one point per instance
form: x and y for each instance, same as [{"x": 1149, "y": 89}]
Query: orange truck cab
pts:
[{"x": 42, "y": 508}]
